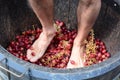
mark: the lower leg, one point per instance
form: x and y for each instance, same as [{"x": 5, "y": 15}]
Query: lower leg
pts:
[
  {"x": 87, "y": 13},
  {"x": 44, "y": 11}
]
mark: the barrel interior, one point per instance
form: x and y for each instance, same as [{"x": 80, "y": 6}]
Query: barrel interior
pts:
[{"x": 16, "y": 16}]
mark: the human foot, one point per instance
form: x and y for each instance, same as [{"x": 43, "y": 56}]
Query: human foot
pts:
[
  {"x": 76, "y": 59},
  {"x": 40, "y": 45}
]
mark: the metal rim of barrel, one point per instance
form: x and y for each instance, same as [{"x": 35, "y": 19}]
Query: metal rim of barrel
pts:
[{"x": 50, "y": 73}]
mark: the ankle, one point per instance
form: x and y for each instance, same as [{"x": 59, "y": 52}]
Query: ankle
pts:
[
  {"x": 79, "y": 43},
  {"x": 49, "y": 32}
]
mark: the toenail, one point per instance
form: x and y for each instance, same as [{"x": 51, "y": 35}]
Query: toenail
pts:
[
  {"x": 33, "y": 54},
  {"x": 72, "y": 62}
]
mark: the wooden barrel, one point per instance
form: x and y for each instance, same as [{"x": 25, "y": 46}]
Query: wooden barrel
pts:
[{"x": 16, "y": 16}]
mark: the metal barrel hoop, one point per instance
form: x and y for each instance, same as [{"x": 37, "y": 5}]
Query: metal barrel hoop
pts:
[{"x": 11, "y": 72}]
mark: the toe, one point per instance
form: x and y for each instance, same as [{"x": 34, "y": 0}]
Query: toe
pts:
[
  {"x": 34, "y": 59},
  {"x": 70, "y": 65},
  {"x": 29, "y": 56},
  {"x": 81, "y": 63},
  {"x": 37, "y": 56}
]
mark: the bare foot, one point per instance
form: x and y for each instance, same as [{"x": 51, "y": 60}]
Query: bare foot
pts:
[
  {"x": 40, "y": 45},
  {"x": 76, "y": 60}
]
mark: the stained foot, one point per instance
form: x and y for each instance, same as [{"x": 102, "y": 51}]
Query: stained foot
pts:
[
  {"x": 39, "y": 46},
  {"x": 76, "y": 59}
]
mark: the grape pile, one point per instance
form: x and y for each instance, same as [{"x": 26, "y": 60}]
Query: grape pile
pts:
[{"x": 58, "y": 52}]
